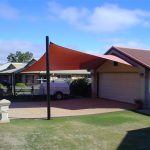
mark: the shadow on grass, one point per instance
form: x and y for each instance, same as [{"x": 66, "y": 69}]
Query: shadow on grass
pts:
[
  {"x": 136, "y": 140},
  {"x": 143, "y": 112}
]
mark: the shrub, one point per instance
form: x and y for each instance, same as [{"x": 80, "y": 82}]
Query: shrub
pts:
[
  {"x": 80, "y": 87},
  {"x": 21, "y": 85}
]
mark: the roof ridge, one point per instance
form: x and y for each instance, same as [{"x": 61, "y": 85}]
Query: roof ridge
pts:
[
  {"x": 147, "y": 50},
  {"x": 18, "y": 63}
]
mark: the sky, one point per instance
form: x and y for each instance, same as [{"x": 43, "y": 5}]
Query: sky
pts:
[{"x": 90, "y": 26}]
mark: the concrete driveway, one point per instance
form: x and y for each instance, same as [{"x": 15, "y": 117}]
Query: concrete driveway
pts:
[{"x": 70, "y": 107}]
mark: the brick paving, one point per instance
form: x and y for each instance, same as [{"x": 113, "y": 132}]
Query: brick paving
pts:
[{"x": 69, "y": 107}]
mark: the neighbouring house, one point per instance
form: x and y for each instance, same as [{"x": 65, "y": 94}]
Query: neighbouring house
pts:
[
  {"x": 71, "y": 74},
  {"x": 9, "y": 71},
  {"x": 40, "y": 76},
  {"x": 121, "y": 82}
]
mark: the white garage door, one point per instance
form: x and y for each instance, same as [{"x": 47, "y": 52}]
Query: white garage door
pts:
[{"x": 123, "y": 87}]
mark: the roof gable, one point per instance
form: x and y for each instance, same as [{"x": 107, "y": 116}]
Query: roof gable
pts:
[
  {"x": 11, "y": 66},
  {"x": 4, "y": 66},
  {"x": 140, "y": 56}
]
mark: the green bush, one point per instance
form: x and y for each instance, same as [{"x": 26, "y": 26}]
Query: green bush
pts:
[
  {"x": 21, "y": 85},
  {"x": 80, "y": 87}
]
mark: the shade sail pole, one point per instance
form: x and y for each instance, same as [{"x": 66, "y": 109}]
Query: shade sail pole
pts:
[
  {"x": 13, "y": 84},
  {"x": 48, "y": 78}
]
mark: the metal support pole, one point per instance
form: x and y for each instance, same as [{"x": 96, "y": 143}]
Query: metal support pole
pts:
[
  {"x": 48, "y": 78},
  {"x": 13, "y": 85}
]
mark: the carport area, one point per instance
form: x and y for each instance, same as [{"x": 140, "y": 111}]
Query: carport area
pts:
[{"x": 68, "y": 107}]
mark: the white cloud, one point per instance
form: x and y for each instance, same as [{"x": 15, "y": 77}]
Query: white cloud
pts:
[
  {"x": 109, "y": 42},
  {"x": 104, "y": 18},
  {"x": 8, "y": 12},
  {"x": 133, "y": 44},
  {"x": 70, "y": 14},
  {"x": 130, "y": 43},
  {"x": 7, "y": 47}
]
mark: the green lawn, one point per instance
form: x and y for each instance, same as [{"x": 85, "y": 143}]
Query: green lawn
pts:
[{"x": 110, "y": 131}]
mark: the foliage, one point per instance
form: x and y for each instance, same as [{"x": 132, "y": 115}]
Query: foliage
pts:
[
  {"x": 20, "y": 84},
  {"x": 20, "y": 57},
  {"x": 80, "y": 87},
  {"x": 1, "y": 86}
]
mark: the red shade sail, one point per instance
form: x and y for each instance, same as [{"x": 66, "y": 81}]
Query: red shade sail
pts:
[{"x": 62, "y": 58}]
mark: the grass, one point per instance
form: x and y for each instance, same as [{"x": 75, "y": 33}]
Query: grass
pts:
[{"x": 111, "y": 131}]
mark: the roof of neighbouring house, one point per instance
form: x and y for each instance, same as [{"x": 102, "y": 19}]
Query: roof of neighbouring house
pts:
[
  {"x": 139, "y": 55},
  {"x": 18, "y": 65},
  {"x": 9, "y": 71},
  {"x": 14, "y": 67},
  {"x": 4, "y": 66}
]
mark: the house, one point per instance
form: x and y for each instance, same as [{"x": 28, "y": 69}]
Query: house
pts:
[
  {"x": 8, "y": 70},
  {"x": 40, "y": 76},
  {"x": 122, "y": 74},
  {"x": 123, "y": 82}
]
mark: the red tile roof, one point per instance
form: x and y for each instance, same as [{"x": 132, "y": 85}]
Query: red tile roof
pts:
[{"x": 139, "y": 55}]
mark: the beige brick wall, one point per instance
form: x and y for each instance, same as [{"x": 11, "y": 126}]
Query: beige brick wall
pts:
[{"x": 109, "y": 67}]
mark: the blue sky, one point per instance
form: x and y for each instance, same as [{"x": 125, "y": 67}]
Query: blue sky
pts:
[{"x": 91, "y": 26}]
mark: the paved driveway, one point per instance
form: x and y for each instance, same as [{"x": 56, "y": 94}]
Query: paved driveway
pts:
[{"x": 71, "y": 107}]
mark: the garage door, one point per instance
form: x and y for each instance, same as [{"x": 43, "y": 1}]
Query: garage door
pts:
[{"x": 123, "y": 87}]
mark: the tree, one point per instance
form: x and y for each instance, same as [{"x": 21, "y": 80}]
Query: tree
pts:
[{"x": 20, "y": 57}]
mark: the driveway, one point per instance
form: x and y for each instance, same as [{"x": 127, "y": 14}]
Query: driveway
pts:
[{"x": 70, "y": 107}]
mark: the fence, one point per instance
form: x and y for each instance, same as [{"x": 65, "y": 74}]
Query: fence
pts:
[{"x": 20, "y": 91}]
